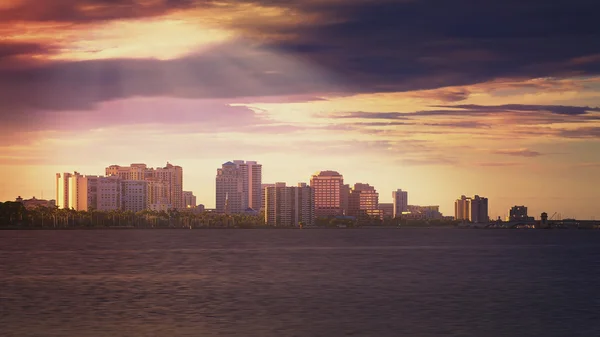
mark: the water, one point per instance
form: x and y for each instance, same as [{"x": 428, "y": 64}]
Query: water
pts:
[{"x": 387, "y": 282}]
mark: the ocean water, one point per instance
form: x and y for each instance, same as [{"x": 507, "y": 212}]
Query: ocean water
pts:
[{"x": 314, "y": 282}]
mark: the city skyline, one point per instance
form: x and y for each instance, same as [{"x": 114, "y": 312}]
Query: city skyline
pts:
[
  {"x": 429, "y": 97},
  {"x": 445, "y": 207}
]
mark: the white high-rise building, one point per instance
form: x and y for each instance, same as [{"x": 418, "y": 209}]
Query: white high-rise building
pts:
[
  {"x": 229, "y": 189},
  {"x": 241, "y": 183},
  {"x": 109, "y": 193},
  {"x": 400, "y": 202},
  {"x": 62, "y": 190},
  {"x": 472, "y": 209},
  {"x": 134, "y": 195},
  {"x": 251, "y": 173},
  {"x": 164, "y": 182},
  {"x": 78, "y": 192},
  {"x": 289, "y": 206}
]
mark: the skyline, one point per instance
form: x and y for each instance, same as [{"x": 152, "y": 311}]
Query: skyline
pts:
[
  {"x": 502, "y": 100},
  {"x": 403, "y": 193}
]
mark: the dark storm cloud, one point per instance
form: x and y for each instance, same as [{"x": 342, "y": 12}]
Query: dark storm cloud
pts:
[
  {"x": 229, "y": 71},
  {"x": 368, "y": 46},
  {"x": 580, "y": 112},
  {"x": 81, "y": 11},
  {"x": 13, "y": 49}
]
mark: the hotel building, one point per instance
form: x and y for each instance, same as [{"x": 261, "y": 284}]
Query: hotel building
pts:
[
  {"x": 288, "y": 205},
  {"x": 400, "y": 202},
  {"x": 240, "y": 184},
  {"x": 165, "y": 183},
  {"x": 471, "y": 209},
  {"x": 327, "y": 188},
  {"x": 364, "y": 201}
]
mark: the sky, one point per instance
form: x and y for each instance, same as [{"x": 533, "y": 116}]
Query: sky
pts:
[{"x": 439, "y": 98}]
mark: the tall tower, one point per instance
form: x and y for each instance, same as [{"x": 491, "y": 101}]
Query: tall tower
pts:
[
  {"x": 400, "y": 202},
  {"x": 165, "y": 184},
  {"x": 251, "y": 174},
  {"x": 62, "y": 190},
  {"x": 364, "y": 201},
  {"x": 327, "y": 189},
  {"x": 229, "y": 188}
]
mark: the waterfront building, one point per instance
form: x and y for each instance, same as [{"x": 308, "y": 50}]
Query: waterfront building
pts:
[
  {"x": 240, "y": 184},
  {"x": 189, "y": 199},
  {"x": 424, "y": 212},
  {"x": 165, "y": 181},
  {"x": 400, "y": 198},
  {"x": 364, "y": 201},
  {"x": 289, "y": 205},
  {"x": 472, "y": 209},
  {"x": 78, "y": 192},
  {"x": 327, "y": 189},
  {"x": 62, "y": 190},
  {"x": 461, "y": 211},
  {"x": 134, "y": 195},
  {"x": 519, "y": 213},
  {"x": 34, "y": 203},
  {"x": 345, "y": 199},
  {"x": 108, "y": 193},
  {"x": 387, "y": 209},
  {"x": 229, "y": 189},
  {"x": 264, "y": 195},
  {"x": 251, "y": 175}
]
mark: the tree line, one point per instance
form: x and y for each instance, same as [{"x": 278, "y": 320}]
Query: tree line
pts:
[{"x": 13, "y": 214}]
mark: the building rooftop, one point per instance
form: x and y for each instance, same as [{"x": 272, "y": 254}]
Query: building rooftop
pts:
[{"x": 327, "y": 173}]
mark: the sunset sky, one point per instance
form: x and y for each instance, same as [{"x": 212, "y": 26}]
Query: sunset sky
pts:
[{"x": 437, "y": 97}]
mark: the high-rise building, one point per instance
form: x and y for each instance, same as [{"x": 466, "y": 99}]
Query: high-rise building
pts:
[
  {"x": 109, "y": 193},
  {"x": 288, "y": 206},
  {"x": 387, "y": 209},
  {"x": 327, "y": 188},
  {"x": 189, "y": 199},
  {"x": 62, "y": 190},
  {"x": 251, "y": 173},
  {"x": 519, "y": 213},
  {"x": 479, "y": 210},
  {"x": 364, "y": 201},
  {"x": 461, "y": 208},
  {"x": 166, "y": 181},
  {"x": 345, "y": 199},
  {"x": 400, "y": 202},
  {"x": 134, "y": 195},
  {"x": 229, "y": 189},
  {"x": 472, "y": 209},
  {"x": 241, "y": 183},
  {"x": 78, "y": 192},
  {"x": 264, "y": 195}
]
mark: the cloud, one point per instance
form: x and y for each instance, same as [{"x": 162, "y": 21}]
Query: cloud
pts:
[
  {"x": 79, "y": 11},
  {"x": 403, "y": 46},
  {"x": 474, "y": 110},
  {"x": 518, "y": 152},
  {"x": 554, "y": 109},
  {"x": 583, "y": 132},
  {"x": 149, "y": 115},
  {"x": 443, "y": 95},
  {"x": 429, "y": 161},
  {"x": 230, "y": 70},
  {"x": 498, "y": 164}
]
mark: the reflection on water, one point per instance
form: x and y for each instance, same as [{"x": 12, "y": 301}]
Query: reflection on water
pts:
[{"x": 407, "y": 282}]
